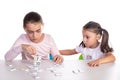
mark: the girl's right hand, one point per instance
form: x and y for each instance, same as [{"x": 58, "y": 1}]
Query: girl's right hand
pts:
[{"x": 29, "y": 49}]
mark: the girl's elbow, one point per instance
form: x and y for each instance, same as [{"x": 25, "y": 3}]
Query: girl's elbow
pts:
[
  {"x": 114, "y": 58},
  {"x": 7, "y": 58}
]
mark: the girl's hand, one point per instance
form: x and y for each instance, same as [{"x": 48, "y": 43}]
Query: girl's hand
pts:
[
  {"x": 58, "y": 59},
  {"x": 29, "y": 49},
  {"x": 94, "y": 63}
]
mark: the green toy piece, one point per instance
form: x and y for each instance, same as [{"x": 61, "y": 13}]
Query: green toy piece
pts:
[{"x": 81, "y": 57}]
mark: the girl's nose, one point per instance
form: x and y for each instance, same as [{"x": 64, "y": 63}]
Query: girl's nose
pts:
[
  {"x": 34, "y": 34},
  {"x": 84, "y": 40}
]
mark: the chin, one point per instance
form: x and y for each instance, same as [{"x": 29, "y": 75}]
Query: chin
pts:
[
  {"x": 35, "y": 41},
  {"x": 87, "y": 46}
]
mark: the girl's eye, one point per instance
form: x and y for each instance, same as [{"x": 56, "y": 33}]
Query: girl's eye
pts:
[
  {"x": 87, "y": 37},
  {"x": 38, "y": 31}
]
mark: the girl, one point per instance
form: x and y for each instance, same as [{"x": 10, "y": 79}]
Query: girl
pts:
[
  {"x": 34, "y": 42},
  {"x": 91, "y": 48}
]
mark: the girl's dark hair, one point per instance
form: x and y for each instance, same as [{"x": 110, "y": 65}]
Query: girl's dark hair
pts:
[
  {"x": 98, "y": 30},
  {"x": 32, "y": 17}
]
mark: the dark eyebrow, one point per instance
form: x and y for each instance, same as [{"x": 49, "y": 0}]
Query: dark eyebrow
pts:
[{"x": 33, "y": 31}]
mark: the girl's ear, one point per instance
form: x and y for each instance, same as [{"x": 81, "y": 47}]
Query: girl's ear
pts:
[{"x": 98, "y": 36}]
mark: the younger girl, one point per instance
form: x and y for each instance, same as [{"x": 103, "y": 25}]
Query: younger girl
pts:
[{"x": 90, "y": 48}]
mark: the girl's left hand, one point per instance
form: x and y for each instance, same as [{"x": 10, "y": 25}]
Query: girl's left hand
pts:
[
  {"x": 58, "y": 59},
  {"x": 94, "y": 63}
]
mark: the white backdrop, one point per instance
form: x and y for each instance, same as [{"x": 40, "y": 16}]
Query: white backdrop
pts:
[{"x": 63, "y": 20}]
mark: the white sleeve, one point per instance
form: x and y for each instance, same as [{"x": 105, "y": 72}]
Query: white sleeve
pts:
[{"x": 78, "y": 49}]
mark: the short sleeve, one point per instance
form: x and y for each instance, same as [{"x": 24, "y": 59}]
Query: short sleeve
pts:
[{"x": 78, "y": 49}]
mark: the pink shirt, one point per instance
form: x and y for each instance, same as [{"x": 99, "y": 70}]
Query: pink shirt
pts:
[{"x": 43, "y": 48}]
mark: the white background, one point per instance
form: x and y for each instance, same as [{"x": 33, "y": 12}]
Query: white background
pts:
[{"x": 63, "y": 19}]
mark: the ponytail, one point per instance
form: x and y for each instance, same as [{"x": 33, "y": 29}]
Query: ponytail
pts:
[{"x": 104, "y": 43}]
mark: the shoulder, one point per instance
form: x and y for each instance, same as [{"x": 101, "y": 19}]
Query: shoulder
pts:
[
  {"x": 48, "y": 36},
  {"x": 22, "y": 37},
  {"x": 79, "y": 48}
]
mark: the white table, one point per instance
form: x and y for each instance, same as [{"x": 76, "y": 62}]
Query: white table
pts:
[{"x": 69, "y": 70}]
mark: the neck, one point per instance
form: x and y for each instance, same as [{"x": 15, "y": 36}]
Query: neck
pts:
[{"x": 94, "y": 46}]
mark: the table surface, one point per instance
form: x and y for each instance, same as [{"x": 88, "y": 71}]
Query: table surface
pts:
[{"x": 68, "y": 70}]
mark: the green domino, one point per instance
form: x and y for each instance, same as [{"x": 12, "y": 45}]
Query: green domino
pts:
[{"x": 80, "y": 57}]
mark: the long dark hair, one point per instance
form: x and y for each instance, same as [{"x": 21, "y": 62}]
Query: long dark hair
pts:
[{"x": 96, "y": 27}]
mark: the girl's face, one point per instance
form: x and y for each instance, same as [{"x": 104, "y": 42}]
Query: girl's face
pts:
[
  {"x": 90, "y": 39},
  {"x": 33, "y": 31}
]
